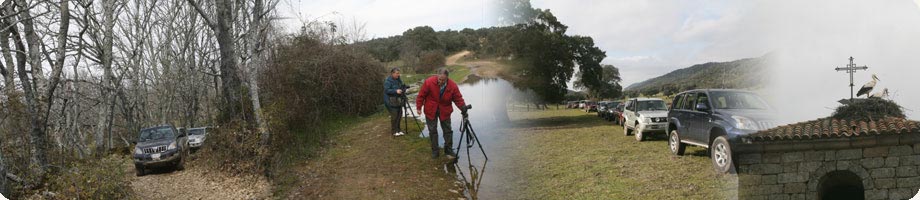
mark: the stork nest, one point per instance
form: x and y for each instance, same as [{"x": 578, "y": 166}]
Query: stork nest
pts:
[{"x": 871, "y": 109}]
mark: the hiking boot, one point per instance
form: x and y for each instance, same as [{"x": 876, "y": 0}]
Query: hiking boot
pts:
[
  {"x": 434, "y": 154},
  {"x": 450, "y": 154}
]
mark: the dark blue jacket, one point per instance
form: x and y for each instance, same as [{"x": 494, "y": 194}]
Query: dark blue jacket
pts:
[{"x": 389, "y": 89}]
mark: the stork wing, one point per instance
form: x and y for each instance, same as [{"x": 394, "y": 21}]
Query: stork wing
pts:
[{"x": 864, "y": 90}]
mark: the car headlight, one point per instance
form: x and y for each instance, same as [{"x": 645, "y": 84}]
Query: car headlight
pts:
[
  {"x": 137, "y": 150},
  {"x": 744, "y": 123},
  {"x": 171, "y": 146}
]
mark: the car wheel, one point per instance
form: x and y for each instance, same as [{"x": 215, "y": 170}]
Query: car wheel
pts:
[
  {"x": 639, "y": 136},
  {"x": 139, "y": 171},
  {"x": 721, "y": 153},
  {"x": 626, "y": 130},
  {"x": 677, "y": 148}
]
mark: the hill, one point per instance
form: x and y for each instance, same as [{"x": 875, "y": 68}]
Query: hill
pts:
[{"x": 744, "y": 74}]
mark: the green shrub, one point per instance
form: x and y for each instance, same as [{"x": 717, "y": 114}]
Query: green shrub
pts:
[
  {"x": 429, "y": 61},
  {"x": 868, "y": 109},
  {"x": 102, "y": 178}
]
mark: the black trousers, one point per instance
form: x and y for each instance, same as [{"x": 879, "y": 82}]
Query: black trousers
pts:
[
  {"x": 433, "y": 133},
  {"x": 396, "y": 115}
]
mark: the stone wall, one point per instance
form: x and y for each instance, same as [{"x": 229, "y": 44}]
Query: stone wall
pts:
[{"x": 886, "y": 172}]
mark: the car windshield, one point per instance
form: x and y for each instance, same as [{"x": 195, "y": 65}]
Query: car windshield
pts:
[
  {"x": 651, "y": 105},
  {"x": 197, "y": 131},
  {"x": 156, "y": 133},
  {"x": 737, "y": 100}
]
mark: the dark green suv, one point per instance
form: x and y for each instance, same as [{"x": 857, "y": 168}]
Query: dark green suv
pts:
[{"x": 160, "y": 146}]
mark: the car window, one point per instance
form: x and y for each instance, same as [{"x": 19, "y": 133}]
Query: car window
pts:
[
  {"x": 196, "y": 131},
  {"x": 701, "y": 98},
  {"x": 651, "y": 105},
  {"x": 737, "y": 100},
  {"x": 689, "y": 100},
  {"x": 676, "y": 104},
  {"x": 156, "y": 134}
]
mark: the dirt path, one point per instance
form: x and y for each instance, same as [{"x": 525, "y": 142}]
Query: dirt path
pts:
[
  {"x": 480, "y": 68},
  {"x": 195, "y": 182},
  {"x": 452, "y": 59},
  {"x": 365, "y": 162}
]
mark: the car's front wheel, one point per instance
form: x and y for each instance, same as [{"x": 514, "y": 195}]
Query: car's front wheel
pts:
[
  {"x": 639, "y": 136},
  {"x": 139, "y": 170},
  {"x": 677, "y": 148},
  {"x": 721, "y": 153}
]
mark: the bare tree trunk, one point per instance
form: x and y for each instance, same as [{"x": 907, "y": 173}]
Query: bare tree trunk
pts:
[
  {"x": 256, "y": 39},
  {"x": 39, "y": 105},
  {"x": 229, "y": 71},
  {"x": 109, "y": 85}
]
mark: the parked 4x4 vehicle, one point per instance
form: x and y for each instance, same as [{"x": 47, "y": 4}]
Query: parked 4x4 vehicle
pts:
[
  {"x": 590, "y": 106},
  {"x": 645, "y": 115},
  {"x": 196, "y": 137},
  {"x": 609, "y": 111},
  {"x": 713, "y": 119},
  {"x": 160, "y": 146},
  {"x": 602, "y": 108}
]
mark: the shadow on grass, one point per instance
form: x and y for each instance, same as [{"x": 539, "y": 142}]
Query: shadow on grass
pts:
[{"x": 561, "y": 122}]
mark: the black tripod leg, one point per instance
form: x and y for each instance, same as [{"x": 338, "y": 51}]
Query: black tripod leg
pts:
[
  {"x": 473, "y": 134},
  {"x": 414, "y": 118}
]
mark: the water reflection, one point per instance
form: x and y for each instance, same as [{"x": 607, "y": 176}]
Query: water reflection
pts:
[{"x": 489, "y": 119}]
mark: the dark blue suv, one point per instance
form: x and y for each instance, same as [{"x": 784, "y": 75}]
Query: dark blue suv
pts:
[{"x": 713, "y": 119}]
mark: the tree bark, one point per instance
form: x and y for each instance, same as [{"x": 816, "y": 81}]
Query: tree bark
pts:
[
  {"x": 229, "y": 71},
  {"x": 256, "y": 39},
  {"x": 38, "y": 103}
]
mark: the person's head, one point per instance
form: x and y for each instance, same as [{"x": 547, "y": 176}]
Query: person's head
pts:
[
  {"x": 394, "y": 72},
  {"x": 443, "y": 74}
]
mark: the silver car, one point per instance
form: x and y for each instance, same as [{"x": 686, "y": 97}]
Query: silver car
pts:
[
  {"x": 642, "y": 116},
  {"x": 196, "y": 137}
]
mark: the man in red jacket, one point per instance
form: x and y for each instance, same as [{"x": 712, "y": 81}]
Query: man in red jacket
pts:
[{"x": 436, "y": 95}]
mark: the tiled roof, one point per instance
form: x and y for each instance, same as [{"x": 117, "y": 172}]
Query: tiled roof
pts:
[{"x": 835, "y": 128}]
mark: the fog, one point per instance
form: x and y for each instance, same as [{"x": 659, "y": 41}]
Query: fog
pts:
[{"x": 811, "y": 38}]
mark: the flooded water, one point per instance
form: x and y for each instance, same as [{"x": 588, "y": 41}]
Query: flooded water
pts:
[{"x": 483, "y": 178}]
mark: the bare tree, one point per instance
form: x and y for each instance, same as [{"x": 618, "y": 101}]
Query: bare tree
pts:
[
  {"x": 39, "y": 96},
  {"x": 229, "y": 75}
]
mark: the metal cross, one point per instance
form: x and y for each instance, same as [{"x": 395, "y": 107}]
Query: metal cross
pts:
[{"x": 851, "y": 69}]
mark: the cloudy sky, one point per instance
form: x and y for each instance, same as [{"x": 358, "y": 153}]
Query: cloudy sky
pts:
[
  {"x": 646, "y": 39},
  {"x": 814, "y": 37}
]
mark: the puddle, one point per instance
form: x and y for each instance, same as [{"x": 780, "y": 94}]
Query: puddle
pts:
[{"x": 489, "y": 119}]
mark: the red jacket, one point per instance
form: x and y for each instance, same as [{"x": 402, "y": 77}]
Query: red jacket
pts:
[{"x": 429, "y": 96}]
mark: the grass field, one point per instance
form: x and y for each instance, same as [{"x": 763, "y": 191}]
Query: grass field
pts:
[
  {"x": 362, "y": 160},
  {"x": 570, "y": 154}
]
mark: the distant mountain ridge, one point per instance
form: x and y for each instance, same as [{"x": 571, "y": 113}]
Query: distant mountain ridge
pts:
[{"x": 738, "y": 74}]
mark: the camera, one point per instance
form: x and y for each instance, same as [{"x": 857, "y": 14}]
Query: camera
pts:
[{"x": 467, "y": 107}]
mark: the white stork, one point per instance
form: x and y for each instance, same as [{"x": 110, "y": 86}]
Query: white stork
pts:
[
  {"x": 880, "y": 94},
  {"x": 868, "y": 86}
]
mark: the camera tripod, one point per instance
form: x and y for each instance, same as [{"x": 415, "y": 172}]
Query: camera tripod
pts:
[
  {"x": 406, "y": 115},
  {"x": 467, "y": 132}
]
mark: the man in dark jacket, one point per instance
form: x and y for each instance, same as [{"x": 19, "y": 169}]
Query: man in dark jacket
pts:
[
  {"x": 394, "y": 100},
  {"x": 436, "y": 95}
]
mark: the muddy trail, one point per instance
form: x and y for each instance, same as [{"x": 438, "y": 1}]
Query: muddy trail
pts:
[{"x": 196, "y": 182}]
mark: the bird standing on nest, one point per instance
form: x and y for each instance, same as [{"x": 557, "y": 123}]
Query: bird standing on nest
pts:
[
  {"x": 868, "y": 86},
  {"x": 880, "y": 94}
]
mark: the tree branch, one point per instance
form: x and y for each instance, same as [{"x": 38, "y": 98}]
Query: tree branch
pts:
[{"x": 207, "y": 20}]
